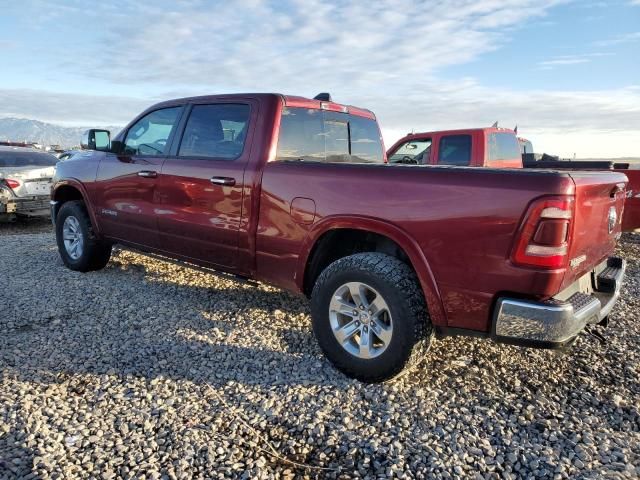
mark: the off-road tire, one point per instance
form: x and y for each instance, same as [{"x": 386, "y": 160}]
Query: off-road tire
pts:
[
  {"x": 96, "y": 253},
  {"x": 399, "y": 286}
]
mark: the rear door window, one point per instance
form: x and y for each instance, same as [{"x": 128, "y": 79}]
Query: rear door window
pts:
[
  {"x": 215, "y": 131},
  {"x": 455, "y": 150},
  {"x": 525, "y": 146},
  {"x": 333, "y": 137},
  {"x": 503, "y": 146},
  {"x": 301, "y": 135},
  {"x": 150, "y": 135}
]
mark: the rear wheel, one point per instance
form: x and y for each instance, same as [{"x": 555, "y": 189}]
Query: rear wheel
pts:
[
  {"x": 369, "y": 316},
  {"x": 79, "y": 247}
]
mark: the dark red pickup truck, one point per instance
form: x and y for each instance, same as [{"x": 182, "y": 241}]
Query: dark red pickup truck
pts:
[
  {"x": 296, "y": 192},
  {"x": 500, "y": 148}
]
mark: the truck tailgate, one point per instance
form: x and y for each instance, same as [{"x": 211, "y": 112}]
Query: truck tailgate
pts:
[
  {"x": 599, "y": 203},
  {"x": 631, "y": 217}
]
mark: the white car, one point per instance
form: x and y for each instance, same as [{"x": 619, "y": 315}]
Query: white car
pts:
[{"x": 25, "y": 182}]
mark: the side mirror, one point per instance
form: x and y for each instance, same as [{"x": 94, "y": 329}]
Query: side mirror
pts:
[{"x": 95, "y": 139}]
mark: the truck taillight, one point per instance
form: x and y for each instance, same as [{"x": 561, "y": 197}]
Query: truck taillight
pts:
[
  {"x": 12, "y": 183},
  {"x": 545, "y": 233}
]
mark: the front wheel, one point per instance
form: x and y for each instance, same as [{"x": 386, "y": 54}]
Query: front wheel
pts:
[
  {"x": 79, "y": 248},
  {"x": 369, "y": 316}
]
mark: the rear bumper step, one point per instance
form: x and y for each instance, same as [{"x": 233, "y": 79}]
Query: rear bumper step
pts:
[{"x": 554, "y": 323}]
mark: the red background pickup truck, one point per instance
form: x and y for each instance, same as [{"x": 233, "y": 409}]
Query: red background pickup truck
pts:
[
  {"x": 500, "y": 148},
  {"x": 295, "y": 192},
  {"x": 472, "y": 147}
]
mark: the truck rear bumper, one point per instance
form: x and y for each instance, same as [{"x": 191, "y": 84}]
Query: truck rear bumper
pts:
[
  {"x": 53, "y": 211},
  {"x": 554, "y": 323},
  {"x": 30, "y": 206}
]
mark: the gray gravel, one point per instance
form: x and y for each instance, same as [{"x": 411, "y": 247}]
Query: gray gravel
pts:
[
  {"x": 150, "y": 370},
  {"x": 26, "y": 225}
]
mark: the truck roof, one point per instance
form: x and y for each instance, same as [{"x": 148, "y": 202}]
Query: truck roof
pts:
[
  {"x": 288, "y": 100},
  {"x": 458, "y": 131}
]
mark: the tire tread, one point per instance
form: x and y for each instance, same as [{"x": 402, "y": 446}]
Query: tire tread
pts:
[
  {"x": 98, "y": 251},
  {"x": 404, "y": 279}
]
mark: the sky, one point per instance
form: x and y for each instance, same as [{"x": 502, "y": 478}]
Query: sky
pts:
[{"x": 567, "y": 72}]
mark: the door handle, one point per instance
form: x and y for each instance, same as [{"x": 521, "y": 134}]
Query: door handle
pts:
[
  {"x": 226, "y": 181},
  {"x": 148, "y": 174}
]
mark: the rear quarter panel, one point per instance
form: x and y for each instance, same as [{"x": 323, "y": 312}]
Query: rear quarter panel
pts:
[{"x": 461, "y": 221}]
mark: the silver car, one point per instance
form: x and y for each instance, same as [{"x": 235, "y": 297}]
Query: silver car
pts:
[{"x": 25, "y": 182}]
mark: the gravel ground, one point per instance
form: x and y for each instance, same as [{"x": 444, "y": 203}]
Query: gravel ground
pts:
[
  {"x": 26, "y": 225},
  {"x": 150, "y": 370}
]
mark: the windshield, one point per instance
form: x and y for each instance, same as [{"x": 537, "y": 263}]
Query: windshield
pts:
[
  {"x": 26, "y": 158},
  {"x": 413, "y": 151}
]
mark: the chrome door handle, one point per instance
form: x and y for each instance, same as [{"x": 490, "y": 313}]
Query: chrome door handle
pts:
[
  {"x": 226, "y": 181},
  {"x": 148, "y": 174}
]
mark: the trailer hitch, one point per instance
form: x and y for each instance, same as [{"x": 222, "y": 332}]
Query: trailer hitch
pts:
[{"x": 593, "y": 332}]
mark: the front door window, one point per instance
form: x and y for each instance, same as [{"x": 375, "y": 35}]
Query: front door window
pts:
[{"x": 150, "y": 135}]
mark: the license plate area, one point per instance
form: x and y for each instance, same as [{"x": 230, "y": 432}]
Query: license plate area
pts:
[
  {"x": 38, "y": 187},
  {"x": 586, "y": 284}
]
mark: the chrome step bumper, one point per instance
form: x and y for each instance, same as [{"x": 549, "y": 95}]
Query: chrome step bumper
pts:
[{"x": 553, "y": 323}]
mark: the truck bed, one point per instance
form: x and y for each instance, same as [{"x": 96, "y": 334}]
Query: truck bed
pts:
[{"x": 463, "y": 220}]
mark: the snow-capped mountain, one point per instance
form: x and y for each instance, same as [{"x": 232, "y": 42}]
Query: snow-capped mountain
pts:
[{"x": 22, "y": 129}]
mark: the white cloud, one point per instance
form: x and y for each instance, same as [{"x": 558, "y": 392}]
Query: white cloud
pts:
[
  {"x": 317, "y": 44},
  {"x": 570, "y": 60},
  {"x": 386, "y": 56},
  {"x": 566, "y": 120},
  {"x": 69, "y": 108},
  {"x": 549, "y": 64},
  {"x": 619, "y": 39}
]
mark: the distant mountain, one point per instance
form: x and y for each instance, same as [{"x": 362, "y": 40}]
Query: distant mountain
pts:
[{"x": 22, "y": 129}]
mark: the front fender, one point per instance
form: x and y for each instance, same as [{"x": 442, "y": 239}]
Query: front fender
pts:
[
  {"x": 367, "y": 224},
  {"x": 58, "y": 197}
]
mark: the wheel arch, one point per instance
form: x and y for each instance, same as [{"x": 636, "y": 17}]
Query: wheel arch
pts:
[
  {"x": 70, "y": 190},
  {"x": 333, "y": 231}
]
